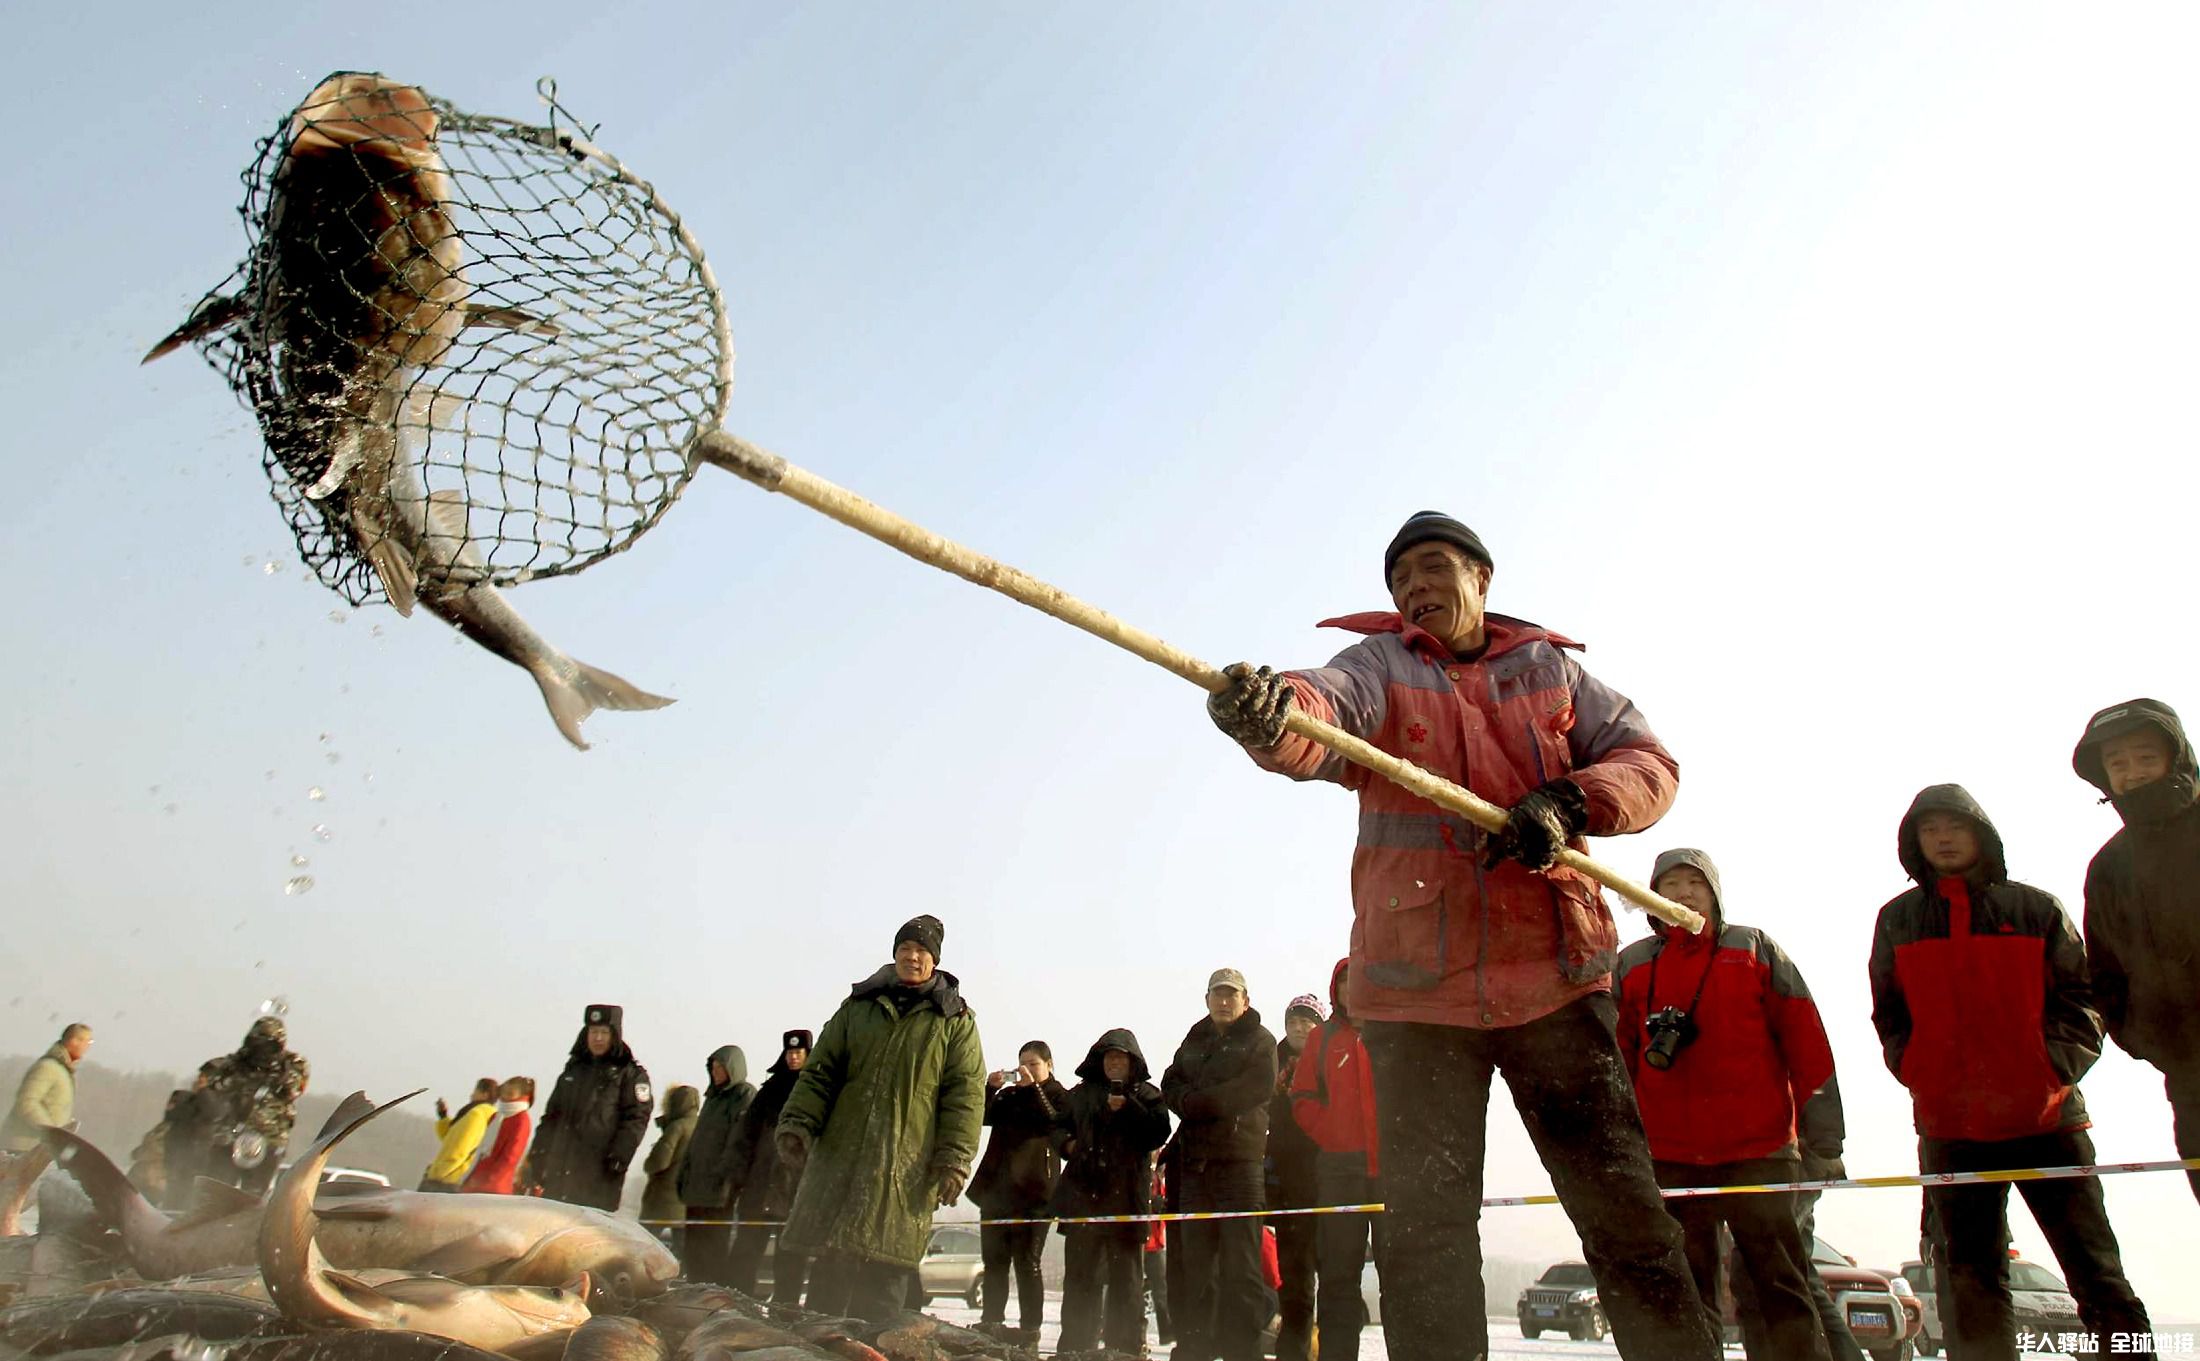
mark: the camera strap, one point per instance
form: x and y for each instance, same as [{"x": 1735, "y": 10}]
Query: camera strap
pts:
[{"x": 1698, "y": 995}]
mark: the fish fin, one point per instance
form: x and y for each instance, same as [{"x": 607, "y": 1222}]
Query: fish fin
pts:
[
  {"x": 468, "y": 1256},
  {"x": 346, "y": 1203},
  {"x": 346, "y": 452},
  {"x": 447, "y": 518},
  {"x": 213, "y": 314},
  {"x": 118, "y": 1203},
  {"x": 573, "y": 698},
  {"x": 348, "y": 1112},
  {"x": 510, "y": 319},
  {"x": 211, "y": 1199},
  {"x": 394, "y": 568}
]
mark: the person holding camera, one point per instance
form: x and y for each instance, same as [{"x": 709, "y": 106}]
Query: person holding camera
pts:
[
  {"x": 1725, "y": 1047},
  {"x": 1985, "y": 1012},
  {"x": 1109, "y": 1126},
  {"x": 1013, "y": 1181}
]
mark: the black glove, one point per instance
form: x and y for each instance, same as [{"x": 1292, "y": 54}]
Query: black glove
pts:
[
  {"x": 1538, "y": 826},
  {"x": 794, "y": 1150},
  {"x": 1252, "y": 711}
]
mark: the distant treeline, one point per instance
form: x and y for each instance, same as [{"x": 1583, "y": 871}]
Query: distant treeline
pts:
[{"x": 115, "y": 1109}]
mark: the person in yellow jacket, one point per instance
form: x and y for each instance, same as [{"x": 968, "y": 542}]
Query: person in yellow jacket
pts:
[{"x": 461, "y": 1135}]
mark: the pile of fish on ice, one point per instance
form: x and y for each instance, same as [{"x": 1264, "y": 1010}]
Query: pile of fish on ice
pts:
[{"x": 347, "y": 1272}]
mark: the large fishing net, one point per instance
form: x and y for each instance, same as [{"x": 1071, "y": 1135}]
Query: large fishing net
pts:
[{"x": 444, "y": 311}]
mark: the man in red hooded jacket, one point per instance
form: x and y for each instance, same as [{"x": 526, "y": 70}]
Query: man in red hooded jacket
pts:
[
  {"x": 1333, "y": 1100},
  {"x": 1984, "y": 1011},
  {"x": 1476, "y": 954},
  {"x": 1725, "y": 1046}
]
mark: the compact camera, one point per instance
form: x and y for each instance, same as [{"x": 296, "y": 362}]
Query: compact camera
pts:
[{"x": 1671, "y": 1031}]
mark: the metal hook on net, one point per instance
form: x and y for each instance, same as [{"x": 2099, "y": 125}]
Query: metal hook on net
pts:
[{"x": 551, "y": 363}]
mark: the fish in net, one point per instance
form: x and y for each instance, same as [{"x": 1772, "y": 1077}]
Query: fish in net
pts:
[{"x": 479, "y": 352}]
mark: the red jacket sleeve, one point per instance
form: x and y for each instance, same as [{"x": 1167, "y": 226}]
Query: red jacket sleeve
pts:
[
  {"x": 1628, "y": 775},
  {"x": 1349, "y": 693},
  {"x": 1796, "y": 1026}
]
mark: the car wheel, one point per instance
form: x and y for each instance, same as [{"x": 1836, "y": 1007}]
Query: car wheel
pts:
[
  {"x": 1926, "y": 1346},
  {"x": 1597, "y": 1326},
  {"x": 975, "y": 1295},
  {"x": 1530, "y": 1331}
]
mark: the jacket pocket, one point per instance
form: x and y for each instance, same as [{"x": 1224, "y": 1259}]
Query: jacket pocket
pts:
[
  {"x": 1588, "y": 940},
  {"x": 1404, "y": 935}
]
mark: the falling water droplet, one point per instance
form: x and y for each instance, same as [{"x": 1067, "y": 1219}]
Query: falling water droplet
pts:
[
  {"x": 299, "y": 861},
  {"x": 297, "y": 884},
  {"x": 315, "y": 794},
  {"x": 271, "y": 775},
  {"x": 325, "y": 737},
  {"x": 152, "y": 789},
  {"x": 270, "y": 568},
  {"x": 321, "y": 831},
  {"x": 376, "y": 631},
  {"x": 333, "y": 757},
  {"x": 169, "y": 808},
  {"x": 250, "y": 561},
  {"x": 337, "y": 616}
]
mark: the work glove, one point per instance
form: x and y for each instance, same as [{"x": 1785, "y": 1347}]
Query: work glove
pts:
[
  {"x": 1538, "y": 826},
  {"x": 1252, "y": 710},
  {"x": 794, "y": 1150},
  {"x": 951, "y": 1185}
]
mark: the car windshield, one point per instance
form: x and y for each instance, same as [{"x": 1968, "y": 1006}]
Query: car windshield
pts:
[
  {"x": 2025, "y": 1276},
  {"x": 1567, "y": 1273},
  {"x": 945, "y": 1241}
]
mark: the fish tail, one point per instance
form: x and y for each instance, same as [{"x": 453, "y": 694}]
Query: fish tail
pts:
[
  {"x": 574, "y": 697},
  {"x": 214, "y": 314}
]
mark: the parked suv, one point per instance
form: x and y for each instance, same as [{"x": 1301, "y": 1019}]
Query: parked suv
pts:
[
  {"x": 1882, "y": 1323},
  {"x": 2041, "y": 1302},
  {"x": 1564, "y": 1296},
  {"x": 952, "y": 1265}
]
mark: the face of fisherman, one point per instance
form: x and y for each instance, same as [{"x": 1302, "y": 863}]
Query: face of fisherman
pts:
[
  {"x": 1225, "y": 1004},
  {"x": 1441, "y": 590},
  {"x": 1949, "y": 842},
  {"x": 1115, "y": 1065},
  {"x": 1686, "y": 885},
  {"x": 2134, "y": 759},
  {"x": 913, "y": 964},
  {"x": 599, "y": 1041}
]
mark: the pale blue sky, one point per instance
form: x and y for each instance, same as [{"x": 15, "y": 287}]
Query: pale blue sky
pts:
[{"x": 1827, "y": 370}]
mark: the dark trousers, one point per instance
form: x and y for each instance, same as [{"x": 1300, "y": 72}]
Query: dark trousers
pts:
[
  {"x": 1432, "y": 1090},
  {"x": 1014, "y": 1247},
  {"x": 1341, "y": 1245},
  {"x": 1767, "y": 1247},
  {"x": 1103, "y": 1289},
  {"x": 2183, "y": 1087},
  {"x": 707, "y": 1248},
  {"x": 1157, "y": 1287},
  {"x": 745, "y": 1259},
  {"x": 873, "y": 1291},
  {"x": 1973, "y": 1227},
  {"x": 1223, "y": 1302},
  {"x": 790, "y": 1275},
  {"x": 1296, "y": 1263},
  {"x": 1756, "y": 1341}
]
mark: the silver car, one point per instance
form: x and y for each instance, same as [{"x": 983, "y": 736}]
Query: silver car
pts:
[
  {"x": 2041, "y": 1302},
  {"x": 953, "y": 1267}
]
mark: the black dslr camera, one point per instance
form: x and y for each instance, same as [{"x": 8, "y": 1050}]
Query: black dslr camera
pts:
[{"x": 1671, "y": 1031}]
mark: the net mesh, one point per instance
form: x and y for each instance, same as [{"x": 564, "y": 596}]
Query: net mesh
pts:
[{"x": 441, "y": 310}]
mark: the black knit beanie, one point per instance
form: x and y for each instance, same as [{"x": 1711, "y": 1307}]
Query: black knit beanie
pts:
[
  {"x": 927, "y": 931},
  {"x": 1433, "y": 525}
]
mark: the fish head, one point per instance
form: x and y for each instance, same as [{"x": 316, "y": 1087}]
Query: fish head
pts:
[{"x": 352, "y": 108}]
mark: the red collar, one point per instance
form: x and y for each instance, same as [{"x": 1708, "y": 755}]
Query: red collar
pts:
[{"x": 1502, "y": 630}]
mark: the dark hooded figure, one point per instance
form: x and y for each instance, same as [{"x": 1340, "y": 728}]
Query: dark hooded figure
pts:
[
  {"x": 596, "y": 1116},
  {"x": 1980, "y": 997},
  {"x": 763, "y": 1188},
  {"x": 708, "y": 1176},
  {"x": 2142, "y": 899},
  {"x": 241, "y": 1110},
  {"x": 1110, "y": 1124}
]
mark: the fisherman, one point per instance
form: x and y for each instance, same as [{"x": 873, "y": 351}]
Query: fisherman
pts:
[
  {"x": 1110, "y": 1124},
  {"x": 1980, "y": 997},
  {"x": 242, "y": 1109},
  {"x": 1289, "y": 1183},
  {"x": 884, "y": 1125},
  {"x": 1724, "y": 1046},
  {"x": 2142, "y": 900},
  {"x": 763, "y": 1190},
  {"x": 596, "y": 1116},
  {"x": 1333, "y": 1100},
  {"x": 1473, "y": 953}
]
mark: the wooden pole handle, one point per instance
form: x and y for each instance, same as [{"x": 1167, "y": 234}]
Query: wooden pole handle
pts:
[{"x": 773, "y": 473}]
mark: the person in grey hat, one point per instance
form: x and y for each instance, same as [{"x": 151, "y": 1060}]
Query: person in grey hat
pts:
[
  {"x": 1475, "y": 954},
  {"x": 2142, "y": 900},
  {"x": 1219, "y": 1086},
  {"x": 882, "y": 1126}
]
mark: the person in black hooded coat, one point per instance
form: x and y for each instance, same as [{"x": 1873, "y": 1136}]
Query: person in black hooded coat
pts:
[
  {"x": 596, "y": 1116},
  {"x": 2142, "y": 899},
  {"x": 762, "y": 1188},
  {"x": 1110, "y": 1124},
  {"x": 708, "y": 1176}
]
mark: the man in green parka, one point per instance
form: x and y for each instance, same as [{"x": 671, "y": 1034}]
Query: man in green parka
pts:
[{"x": 883, "y": 1126}]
